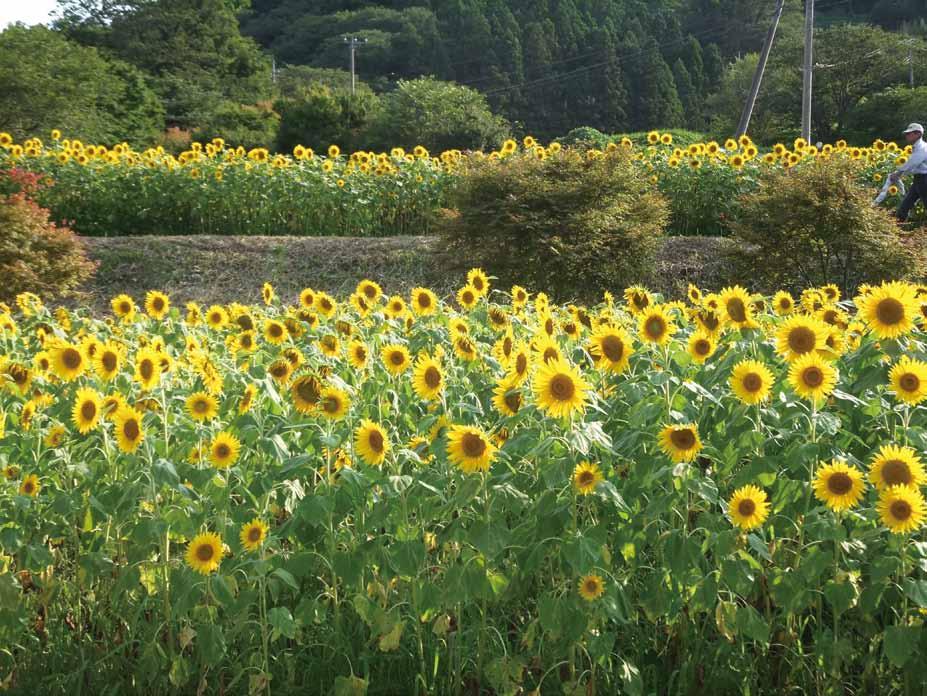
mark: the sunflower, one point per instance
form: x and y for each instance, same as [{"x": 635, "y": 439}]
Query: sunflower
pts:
[
  {"x": 128, "y": 426},
  {"x": 204, "y": 553},
  {"x": 547, "y": 349},
  {"x": 586, "y": 477},
  {"x": 253, "y": 534},
  {"x": 469, "y": 448},
  {"x": 148, "y": 368},
  {"x": 901, "y": 509},
  {"x": 655, "y": 325},
  {"x": 751, "y": 381},
  {"x": 30, "y": 486},
  {"x": 611, "y": 348},
  {"x": 736, "y": 306},
  {"x": 334, "y": 403},
  {"x": 908, "y": 378},
  {"x": 681, "y": 442},
  {"x": 247, "y": 399},
  {"x": 305, "y": 391},
  {"x": 812, "y": 377},
  {"x": 890, "y": 309},
  {"x": 783, "y": 303},
  {"x": 280, "y": 370},
  {"x": 275, "y": 332},
  {"x": 157, "y": 304},
  {"x": 88, "y": 405},
  {"x": 520, "y": 363},
  {"x": 591, "y": 587},
  {"x": 217, "y": 317},
  {"x": 748, "y": 507},
  {"x": 371, "y": 443},
  {"x": 478, "y": 280},
  {"x": 55, "y": 437},
  {"x": 637, "y": 298},
  {"x": 467, "y": 297},
  {"x": 694, "y": 294},
  {"x": 369, "y": 290},
  {"x": 358, "y": 354},
  {"x": 700, "y": 346},
  {"x": 424, "y": 303},
  {"x": 507, "y": 397},
  {"x": 396, "y": 306},
  {"x": 800, "y": 335},
  {"x": 896, "y": 466},
  {"x": 123, "y": 307},
  {"x": 330, "y": 345},
  {"x": 202, "y": 406},
  {"x": 559, "y": 389},
  {"x": 326, "y": 304},
  {"x": 520, "y": 296},
  {"x": 246, "y": 342},
  {"x": 839, "y": 486},
  {"x": 68, "y": 361},
  {"x": 427, "y": 378},
  {"x": 224, "y": 449},
  {"x": 307, "y": 298},
  {"x": 395, "y": 358}
]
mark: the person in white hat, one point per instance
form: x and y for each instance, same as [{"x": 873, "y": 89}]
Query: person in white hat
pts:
[{"x": 916, "y": 165}]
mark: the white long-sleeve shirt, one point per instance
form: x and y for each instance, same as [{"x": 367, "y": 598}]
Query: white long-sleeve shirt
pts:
[{"x": 917, "y": 161}]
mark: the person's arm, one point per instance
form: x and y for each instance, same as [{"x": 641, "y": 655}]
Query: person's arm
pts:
[{"x": 917, "y": 157}]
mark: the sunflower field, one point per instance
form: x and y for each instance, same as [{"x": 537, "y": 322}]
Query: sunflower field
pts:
[
  {"x": 213, "y": 188},
  {"x": 489, "y": 493}
]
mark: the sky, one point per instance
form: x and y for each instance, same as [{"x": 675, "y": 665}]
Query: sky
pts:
[{"x": 26, "y": 11}]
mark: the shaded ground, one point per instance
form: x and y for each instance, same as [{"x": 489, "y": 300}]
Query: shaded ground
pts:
[{"x": 220, "y": 269}]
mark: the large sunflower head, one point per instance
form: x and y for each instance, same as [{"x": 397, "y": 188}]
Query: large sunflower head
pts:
[
  {"x": 748, "y": 507},
  {"x": 812, "y": 377},
  {"x": 370, "y": 291},
  {"x": 470, "y": 448},
  {"x": 358, "y": 354},
  {"x": 68, "y": 361},
  {"x": 800, "y": 335},
  {"x": 783, "y": 303},
  {"x": 204, "y": 553},
  {"x": 428, "y": 378},
  {"x": 424, "y": 303},
  {"x": 736, "y": 306},
  {"x": 30, "y": 486},
  {"x": 839, "y": 486},
  {"x": 611, "y": 348},
  {"x": 202, "y": 406},
  {"x": 751, "y": 381},
  {"x": 128, "y": 427},
  {"x": 224, "y": 449},
  {"x": 305, "y": 391},
  {"x": 655, "y": 325},
  {"x": 559, "y": 389},
  {"x": 334, "y": 403},
  {"x": 890, "y": 309},
  {"x": 507, "y": 397},
  {"x": 467, "y": 297},
  {"x": 908, "y": 378},
  {"x": 157, "y": 304},
  {"x": 478, "y": 280},
  {"x": 681, "y": 442},
  {"x": 896, "y": 466},
  {"x": 148, "y": 368},
  {"x": 701, "y": 346},
  {"x": 395, "y": 358},
  {"x": 586, "y": 476},
  {"x": 275, "y": 332},
  {"x": 591, "y": 587},
  {"x": 88, "y": 407},
  {"x": 253, "y": 534},
  {"x": 371, "y": 443},
  {"x": 901, "y": 509}
]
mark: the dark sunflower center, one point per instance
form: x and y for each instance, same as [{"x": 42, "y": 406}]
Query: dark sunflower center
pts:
[
  {"x": 308, "y": 391},
  {"x": 215, "y": 318},
  {"x": 521, "y": 363},
  {"x": 839, "y": 483},
  {"x": 158, "y": 304},
  {"x": 279, "y": 370},
  {"x": 468, "y": 297},
  {"x": 246, "y": 341},
  {"x": 254, "y": 534},
  {"x": 146, "y": 369},
  {"x": 331, "y": 405},
  {"x": 801, "y": 340},
  {"x": 432, "y": 377},
  {"x": 812, "y": 377},
  {"x": 683, "y": 438},
  {"x": 397, "y": 358},
  {"x": 909, "y": 382},
  {"x": 702, "y": 347},
  {"x": 71, "y": 358},
  {"x": 655, "y": 327},
  {"x": 736, "y": 309},
  {"x": 124, "y": 307},
  {"x": 752, "y": 382},
  {"x": 130, "y": 429},
  {"x": 360, "y": 353},
  {"x": 375, "y": 440},
  {"x": 370, "y": 292},
  {"x": 245, "y": 322},
  {"x": 550, "y": 354},
  {"x": 513, "y": 400},
  {"x": 896, "y": 473},
  {"x": 424, "y": 300},
  {"x": 613, "y": 348},
  {"x": 585, "y": 478},
  {"x": 746, "y": 507},
  {"x": 28, "y": 487},
  {"x": 889, "y": 311},
  {"x": 275, "y": 330},
  {"x": 222, "y": 451},
  {"x": 473, "y": 445},
  {"x": 592, "y": 586},
  {"x": 901, "y": 510},
  {"x": 200, "y": 406},
  {"x": 507, "y": 346},
  {"x": 710, "y": 321},
  {"x": 562, "y": 387},
  {"x": 88, "y": 410},
  {"x": 205, "y": 552},
  {"x": 477, "y": 283}
]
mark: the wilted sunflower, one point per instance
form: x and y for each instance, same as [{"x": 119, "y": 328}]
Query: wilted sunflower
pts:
[
  {"x": 371, "y": 443},
  {"x": 157, "y": 304},
  {"x": 68, "y": 361},
  {"x": 202, "y": 406},
  {"x": 890, "y": 309},
  {"x": 586, "y": 476},
  {"x": 612, "y": 349},
  {"x": 839, "y": 486},
  {"x": 224, "y": 449},
  {"x": 330, "y": 345},
  {"x": 800, "y": 335},
  {"x": 469, "y": 448},
  {"x": 748, "y": 507},
  {"x": 88, "y": 407},
  {"x": 700, "y": 346},
  {"x": 901, "y": 509},
  {"x": 30, "y": 486},
  {"x": 127, "y": 423},
  {"x": 637, "y": 299},
  {"x": 751, "y": 381},
  {"x": 253, "y": 534},
  {"x": 681, "y": 442},
  {"x": 591, "y": 587},
  {"x": 908, "y": 378},
  {"x": 655, "y": 325},
  {"x": 893, "y": 465},
  {"x": 395, "y": 358},
  {"x": 424, "y": 303},
  {"x": 812, "y": 377},
  {"x": 334, "y": 403},
  {"x": 559, "y": 389},
  {"x": 204, "y": 553},
  {"x": 427, "y": 378}
]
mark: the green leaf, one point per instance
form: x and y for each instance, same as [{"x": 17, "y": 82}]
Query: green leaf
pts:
[
  {"x": 900, "y": 643},
  {"x": 916, "y": 591},
  {"x": 222, "y": 589},
  {"x": 840, "y": 595},
  {"x": 210, "y": 643},
  {"x": 9, "y": 592},
  {"x": 287, "y": 577},
  {"x": 164, "y": 474},
  {"x": 631, "y": 680},
  {"x": 282, "y": 622},
  {"x": 751, "y": 624},
  {"x": 407, "y": 557},
  {"x": 349, "y": 686}
]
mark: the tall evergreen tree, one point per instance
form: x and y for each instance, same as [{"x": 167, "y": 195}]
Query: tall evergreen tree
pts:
[{"x": 656, "y": 99}]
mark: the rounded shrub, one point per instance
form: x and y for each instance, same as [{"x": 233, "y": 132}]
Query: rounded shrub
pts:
[
  {"x": 568, "y": 222},
  {"x": 815, "y": 224}
]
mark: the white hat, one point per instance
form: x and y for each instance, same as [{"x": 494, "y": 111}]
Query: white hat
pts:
[{"x": 914, "y": 128}]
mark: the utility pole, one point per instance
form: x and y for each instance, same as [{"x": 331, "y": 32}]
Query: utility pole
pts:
[
  {"x": 353, "y": 42},
  {"x": 745, "y": 115},
  {"x": 273, "y": 69},
  {"x": 808, "y": 68}
]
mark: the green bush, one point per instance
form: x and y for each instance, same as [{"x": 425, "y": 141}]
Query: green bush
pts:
[
  {"x": 35, "y": 254},
  {"x": 815, "y": 224},
  {"x": 574, "y": 224}
]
